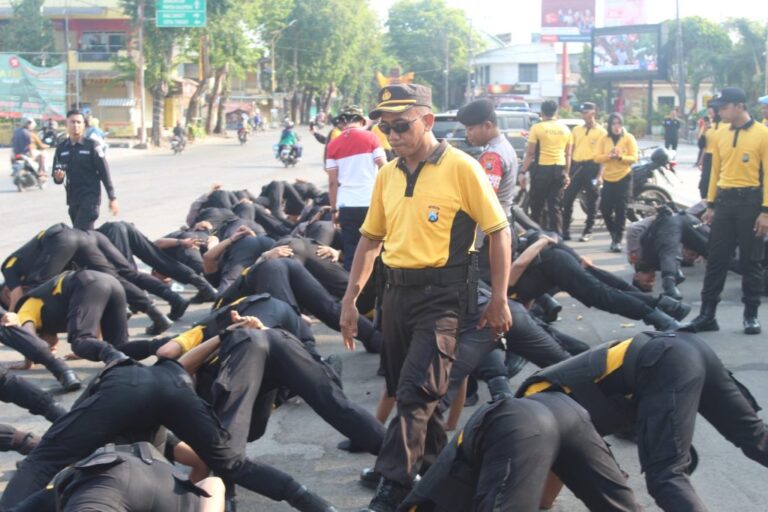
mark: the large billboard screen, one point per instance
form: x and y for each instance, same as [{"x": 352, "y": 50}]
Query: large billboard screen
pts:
[
  {"x": 567, "y": 20},
  {"x": 626, "y": 53}
]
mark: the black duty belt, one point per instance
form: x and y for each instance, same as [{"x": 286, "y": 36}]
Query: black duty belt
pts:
[
  {"x": 443, "y": 276},
  {"x": 740, "y": 193}
]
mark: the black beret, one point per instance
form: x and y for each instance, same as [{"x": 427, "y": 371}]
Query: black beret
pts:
[{"x": 477, "y": 112}]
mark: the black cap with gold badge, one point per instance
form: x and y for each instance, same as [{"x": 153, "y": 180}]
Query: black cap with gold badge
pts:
[{"x": 400, "y": 97}]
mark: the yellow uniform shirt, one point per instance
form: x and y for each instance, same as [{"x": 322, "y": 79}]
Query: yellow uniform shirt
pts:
[
  {"x": 739, "y": 158},
  {"x": 614, "y": 360},
  {"x": 586, "y": 142},
  {"x": 615, "y": 170},
  {"x": 553, "y": 138},
  {"x": 427, "y": 219}
]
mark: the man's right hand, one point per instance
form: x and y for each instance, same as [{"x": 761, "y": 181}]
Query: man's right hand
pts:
[
  {"x": 58, "y": 176},
  {"x": 281, "y": 251},
  {"x": 522, "y": 179},
  {"x": 348, "y": 322},
  {"x": 708, "y": 216}
]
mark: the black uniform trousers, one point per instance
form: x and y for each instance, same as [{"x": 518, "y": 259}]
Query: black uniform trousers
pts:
[
  {"x": 254, "y": 363},
  {"x": 331, "y": 275},
  {"x": 324, "y": 232},
  {"x": 613, "y": 204},
  {"x": 502, "y": 465},
  {"x": 733, "y": 226},
  {"x": 280, "y": 196},
  {"x": 670, "y": 140},
  {"x": 480, "y": 356},
  {"x": 273, "y": 226},
  {"x": 676, "y": 378},
  {"x": 97, "y": 305},
  {"x": 133, "y": 399},
  {"x": 132, "y": 242},
  {"x": 288, "y": 280},
  {"x": 547, "y": 195},
  {"x": 582, "y": 176},
  {"x": 32, "y": 348},
  {"x": 662, "y": 243},
  {"x": 19, "y": 391},
  {"x": 695, "y": 235},
  {"x": 566, "y": 273},
  {"x": 84, "y": 215},
  {"x": 350, "y": 221},
  {"x": 421, "y": 325}
]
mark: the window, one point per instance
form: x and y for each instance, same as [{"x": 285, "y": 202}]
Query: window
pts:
[
  {"x": 100, "y": 46},
  {"x": 528, "y": 73},
  {"x": 666, "y": 101}
]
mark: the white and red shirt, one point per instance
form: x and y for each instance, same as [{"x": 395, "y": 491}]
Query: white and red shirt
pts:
[{"x": 354, "y": 154}]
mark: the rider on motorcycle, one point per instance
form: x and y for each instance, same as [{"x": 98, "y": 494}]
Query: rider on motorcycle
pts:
[
  {"x": 26, "y": 142},
  {"x": 178, "y": 132},
  {"x": 289, "y": 138}
]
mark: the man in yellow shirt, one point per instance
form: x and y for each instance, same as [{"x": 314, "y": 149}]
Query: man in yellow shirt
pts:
[
  {"x": 737, "y": 208},
  {"x": 584, "y": 169},
  {"x": 425, "y": 207},
  {"x": 549, "y": 143}
]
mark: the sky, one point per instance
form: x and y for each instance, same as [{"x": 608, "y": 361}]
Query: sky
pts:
[{"x": 523, "y": 17}]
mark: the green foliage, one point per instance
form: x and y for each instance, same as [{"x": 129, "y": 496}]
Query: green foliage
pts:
[
  {"x": 588, "y": 90},
  {"x": 636, "y": 125},
  {"x": 420, "y": 32},
  {"x": 744, "y": 65},
  {"x": 29, "y": 31}
]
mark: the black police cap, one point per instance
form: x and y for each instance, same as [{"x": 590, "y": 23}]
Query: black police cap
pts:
[
  {"x": 587, "y": 105},
  {"x": 729, "y": 95},
  {"x": 477, "y": 112}
]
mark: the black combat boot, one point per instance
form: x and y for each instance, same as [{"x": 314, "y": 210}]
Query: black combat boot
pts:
[
  {"x": 205, "y": 292},
  {"x": 370, "y": 478},
  {"x": 674, "y": 308},
  {"x": 499, "y": 387},
  {"x": 160, "y": 322},
  {"x": 669, "y": 286},
  {"x": 305, "y": 500},
  {"x": 751, "y": 323},
  {"x": 389, "y": 495},
  {"x": 661, "y": 321},
  {"x": 65, "y": 375},
  {"x": 178, "y": 304},
  {"x": 706, "y": 320}
]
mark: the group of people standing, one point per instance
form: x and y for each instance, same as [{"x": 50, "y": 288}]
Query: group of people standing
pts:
[{"x": 430, "y": 245}]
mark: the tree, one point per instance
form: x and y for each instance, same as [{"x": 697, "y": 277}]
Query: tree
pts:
[
  {"x": 703, "y": 42},
  {"x": 30, "y": 34},
  {"x": 744, "y": 66},
  {"x": 425, "y": 36},
  {"x": 588, "y": 89}
]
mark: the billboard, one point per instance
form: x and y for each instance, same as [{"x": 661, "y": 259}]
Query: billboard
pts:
[
  {"x": 567, "y": 20},
  {"x": 31, "y": 91},
  {"x": 626, "y": 53},
  {"x": 617, "y": 13}
]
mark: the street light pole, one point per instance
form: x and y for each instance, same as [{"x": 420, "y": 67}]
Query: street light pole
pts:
[
  {"x": 680, "y": 71},
  {"x": 142, "y": 98}
]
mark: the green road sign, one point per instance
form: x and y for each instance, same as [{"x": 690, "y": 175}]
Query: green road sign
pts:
[{"x": 181, "y": 13}]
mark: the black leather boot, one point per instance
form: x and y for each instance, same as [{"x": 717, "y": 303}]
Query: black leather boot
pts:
[
  {"x": 706, "y": 320},
  {"x": 65, "y": 375},
  {"x": 670, "y": 287},
  {"x": 661, "y": 321},
  {"x": 305, "y": 500},
  {"x": 160, "y": 322},
  {"x": 178, "y": 304},
  {"x": 751, "y": 323},
  {"x": 674, "y": 308},
  {"x": 499, "y": 387},
  {"x": 205, "y": 292},
  {"x": 389, "y": 495}
]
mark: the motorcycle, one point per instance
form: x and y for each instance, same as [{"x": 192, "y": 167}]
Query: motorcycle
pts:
[
  {"x": 24, "y": 173},
  {"x": 51, "y": 137},
  {"x": 242, "y": 135},
  {"x": 648, "y": 175},
  {"x": 177, "y": 144},
  {"x": 286, "y": 155}
]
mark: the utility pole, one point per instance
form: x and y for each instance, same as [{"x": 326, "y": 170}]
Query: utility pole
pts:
[
  {"x": 447, "y": 71},
  {"x": 765, "y": 69},
  {"x": 680, "y": 67},
  {"x": 470, "y": 67},
  {"x": 142, "y": 98}
]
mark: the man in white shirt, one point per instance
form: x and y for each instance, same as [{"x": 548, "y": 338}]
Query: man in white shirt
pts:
[{"x": 352, "y": 161}]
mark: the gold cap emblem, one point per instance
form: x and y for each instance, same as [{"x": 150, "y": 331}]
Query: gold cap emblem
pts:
[{"x": 386, "y": 95}]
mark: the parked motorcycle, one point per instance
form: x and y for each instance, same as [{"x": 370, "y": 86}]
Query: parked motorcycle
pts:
[
  {"x": 177, "y": 144},
  {"x": 24, "y": 173},
  {"x": 648, "y": 174}
]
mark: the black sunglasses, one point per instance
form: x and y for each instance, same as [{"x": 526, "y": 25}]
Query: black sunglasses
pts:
[{"x": 398, "y": 126}]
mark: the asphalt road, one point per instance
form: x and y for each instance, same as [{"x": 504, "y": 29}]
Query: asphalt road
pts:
[{"x": 155, "y": 189}]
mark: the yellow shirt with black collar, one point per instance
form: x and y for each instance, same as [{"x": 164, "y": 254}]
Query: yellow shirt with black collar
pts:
[
  {"x": 553, "y": 138},
  {"x": 427, "y": 219},
  {"x": 586, "y": 142},
  {"x": 739, "y": 159},
  {"x": 617, "y": 169}
]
